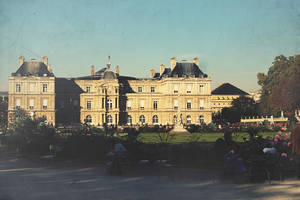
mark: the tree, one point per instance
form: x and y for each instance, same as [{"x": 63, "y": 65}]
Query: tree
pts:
[
  {"x": 3, "y": 116},
  {"x": 286, "y": 95},
  {"x": 281, "y": 81},
  {"x": 241, "y": 107}
]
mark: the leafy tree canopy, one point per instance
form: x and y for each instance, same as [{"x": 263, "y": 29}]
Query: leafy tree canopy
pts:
[
  {"x": 241, "y": 107},
  {"x": 280, "y": 86}
]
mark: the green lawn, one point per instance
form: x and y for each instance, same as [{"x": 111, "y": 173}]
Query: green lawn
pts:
[{"x": 201, "y": 137}]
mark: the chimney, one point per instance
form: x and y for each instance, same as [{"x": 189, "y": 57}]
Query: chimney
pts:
[
  {"x": 21, "y": 60},
  {"x": 162, "y": 69},
  {"x": 173, "y": 63},
  {"x": 49, "y": 69},
  {"x": 117, "y": 69},
  {"x": 152, "y": 73},
  {"x": 45, "y": 60},
  {"x": 196, "y": 61},
  {"x": 92, "y": 70}
]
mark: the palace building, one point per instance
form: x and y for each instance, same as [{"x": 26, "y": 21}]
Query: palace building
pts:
[{"x": 106, "y": 97}]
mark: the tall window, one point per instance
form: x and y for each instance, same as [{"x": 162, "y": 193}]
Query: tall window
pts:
[
  {"x": 176, "y": 88},
  {"x": 128, "y": 105},
  {"x": 88, "y": 104},
  {"x": 155, "y": 105},
  {"x": 152, "y": 89},
  {"x": 31, "y": 87},
  {"x": 18, "y": 103},
  {"x": 201, "y": 89},
  {"x": 88, "y": 89},
  {"x": 142, "y": 119},
  {"x": 44, "y": 87},
  {"x": 109, "y": 120},
  {"x": 189, "y": 104},
  {"x": 176, "y": 104},
  {"x": 201, "y": 119},
  {"x": 188, "y": 119},
  {"x": 116, "y": 90},
  {"x": 142, "y": 105},
  {"x": 116, "y": 102},
  {"x": 109, "y": 104},
  {"x": 88, "y": 119},
  {"x": 140, "y": 89},
  {"x": 18, "y": 87},
  {"x": 102, "y": 102},
  {"x": 189, "y": 89},
  {"x": 31, "y": 103},
  {"x": 129, "y": 120},
  {"x": 201, "y": 104},
  {"x": 45, "y": 104},
  {"x": 155, "y": 119}
]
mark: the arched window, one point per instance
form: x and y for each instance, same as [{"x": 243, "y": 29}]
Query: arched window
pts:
[
  {"x": 155, "y": 119},
  {"x": 109, "y": 120},
  {"x": 142, "y": 119},
  {"x": 201, "y": 119},
  {"x": 129, "y": 120},
  {"x": 188, "y": 119},
  {"x": 88, "y": 119}
]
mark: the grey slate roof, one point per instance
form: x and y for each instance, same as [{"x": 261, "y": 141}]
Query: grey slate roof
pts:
[
  {"x": 182, "y": 69},
  {"x": 32, "y": 68},
  {"x": 187, "y": 69},
  {"x": 228, "y": 89}
]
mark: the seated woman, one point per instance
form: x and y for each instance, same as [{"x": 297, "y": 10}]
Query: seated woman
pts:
[{"x": 233, "y": 160}]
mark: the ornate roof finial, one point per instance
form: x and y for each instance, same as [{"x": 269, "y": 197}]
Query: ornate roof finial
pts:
[{"x": 108, "y": 63}]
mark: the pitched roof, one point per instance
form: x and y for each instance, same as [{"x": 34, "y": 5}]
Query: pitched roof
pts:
[
  {"x": 187, "y": 69},
  {"x": 32, "y": 68},
  {"x": 182, "y": 69},
  {"x": 228, "y": 89}
]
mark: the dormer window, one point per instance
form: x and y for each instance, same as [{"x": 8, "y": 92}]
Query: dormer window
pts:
[
  {"x": 140, "y": 89},
  {"x": 88, "y": 89}
]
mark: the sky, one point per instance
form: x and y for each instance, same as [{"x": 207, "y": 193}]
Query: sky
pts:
[{"x": 234, "y": 39}]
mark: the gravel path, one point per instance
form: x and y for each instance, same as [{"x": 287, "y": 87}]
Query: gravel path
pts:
[{"x": 24, "y": 179}]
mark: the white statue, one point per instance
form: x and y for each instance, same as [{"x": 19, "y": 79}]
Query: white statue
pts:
[{"x": 297, "y": 115}]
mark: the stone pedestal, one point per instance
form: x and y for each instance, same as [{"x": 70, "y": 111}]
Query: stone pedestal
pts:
[{"x": 178, "y": 128}]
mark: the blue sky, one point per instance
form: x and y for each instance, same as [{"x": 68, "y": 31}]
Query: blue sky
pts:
[{"x": 234, "y": 39}]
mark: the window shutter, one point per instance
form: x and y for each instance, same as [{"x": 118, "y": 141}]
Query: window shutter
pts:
[
  {"x": 18, "y": 102},
  {"x": 175, "y": 103},
  {"x": 31, "y": 102},
  {"x": 45, "y": 102}
]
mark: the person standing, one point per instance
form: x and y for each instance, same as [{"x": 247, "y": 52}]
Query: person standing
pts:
[{"x": 296, "y": 148}]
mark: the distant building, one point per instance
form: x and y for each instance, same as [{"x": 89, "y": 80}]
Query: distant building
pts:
[
  {"x": 32, "y": 88},
  {"x": 4, "y": 96},
  {"x": 105, "y": 97},
  {"x": 223, "y": 95},
  {"x": 256, "y": 95}
]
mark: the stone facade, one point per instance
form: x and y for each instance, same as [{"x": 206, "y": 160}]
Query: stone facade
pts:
[
  {"x": 32, "y": 88},
  {"x": 105, "y": 97},
  {"x": 223, "y": 95}
]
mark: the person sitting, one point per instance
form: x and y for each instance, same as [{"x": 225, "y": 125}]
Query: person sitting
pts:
[{"x": 296, "y": 148}]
